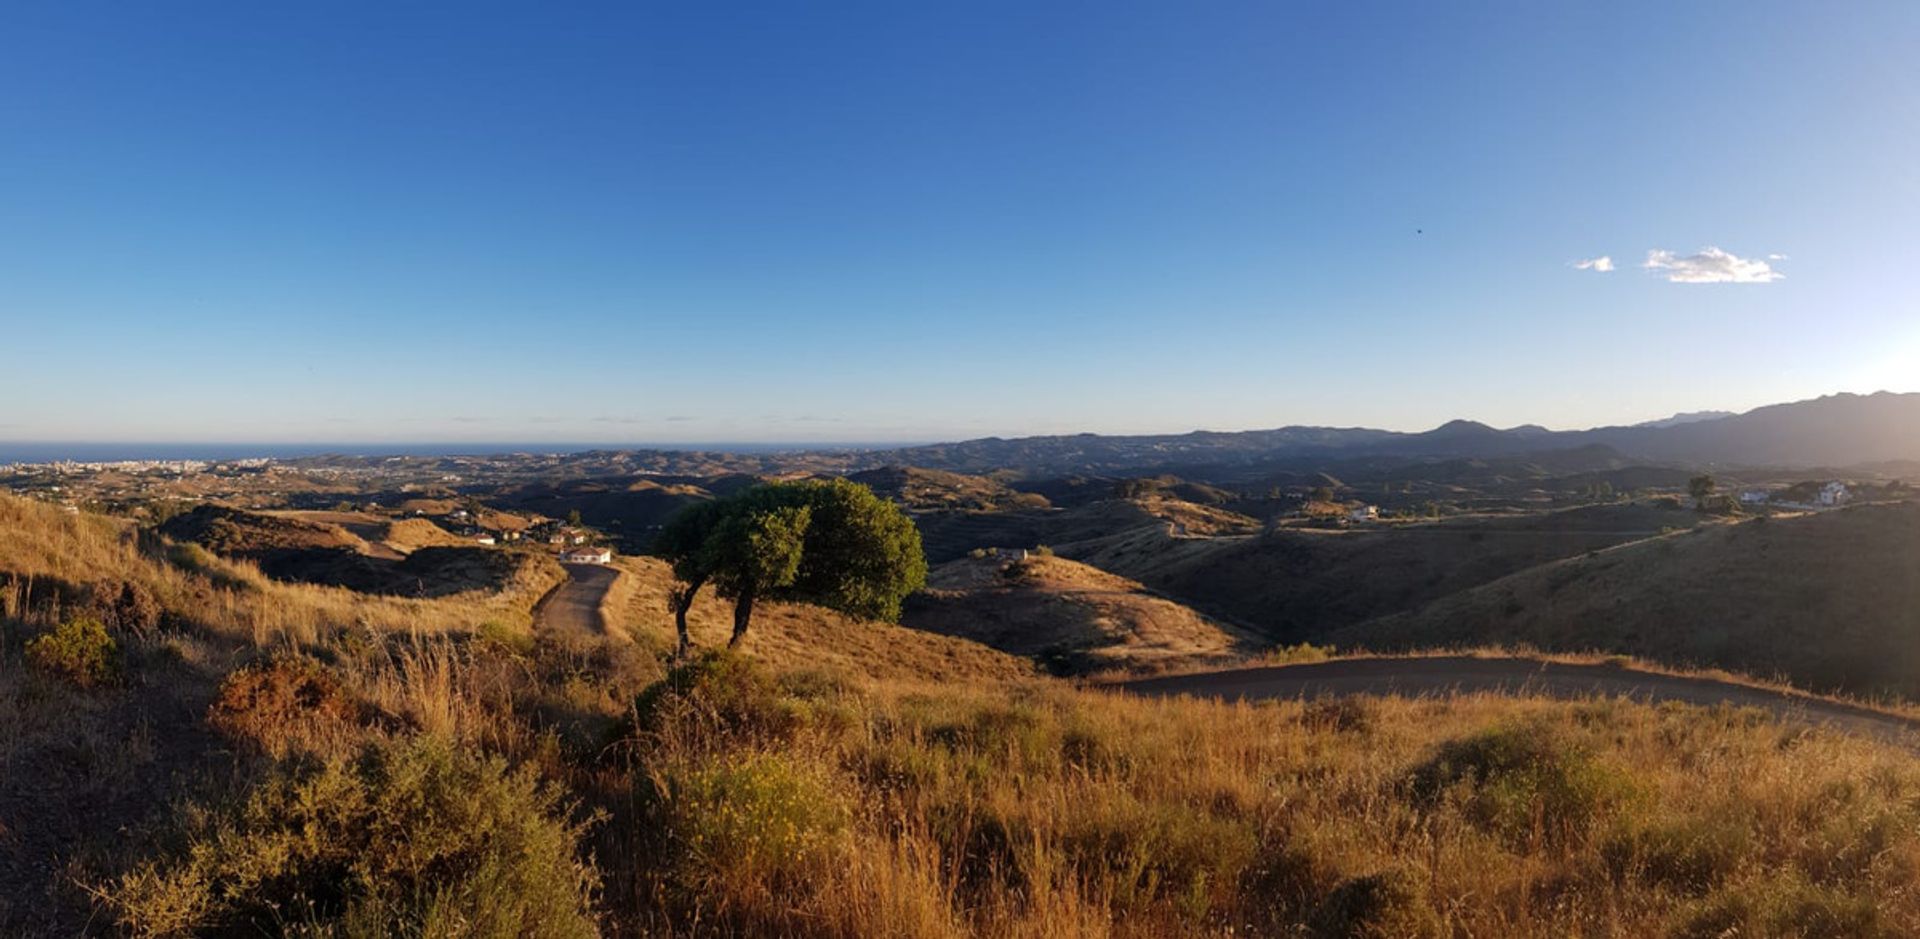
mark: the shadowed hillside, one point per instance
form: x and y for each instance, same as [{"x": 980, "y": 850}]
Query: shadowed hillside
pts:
[
  {"x": 924, "y": 490},
  {"x": 1299, "y": 585},
  {"x": 1830, "y": 601},
  {"x": 950, "y": 535},
  {"x": 310, "y": 552}
]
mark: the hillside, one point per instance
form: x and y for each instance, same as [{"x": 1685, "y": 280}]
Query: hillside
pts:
[
  {"x": 854, "y": 779},
  {"x": 925, "y": 490},
  {"x": 1301, "y": 585},
  {"x": 950, "y": 535},
  {"x": 300, "y": 550},
  {"x": 1071, "y": 618},
  {"x": 1830, "y": 601},
  {"x": 800, "y": 636},
  {"x": 240, "y": 533}
]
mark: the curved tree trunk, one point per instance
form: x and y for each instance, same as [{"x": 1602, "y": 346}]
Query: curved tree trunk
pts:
[
  {"x": 742, "y": 616},
  {"x": 682, "y": 602}
]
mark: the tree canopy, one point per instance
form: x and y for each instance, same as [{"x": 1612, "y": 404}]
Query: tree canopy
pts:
[{"x": 831, "y": 543}]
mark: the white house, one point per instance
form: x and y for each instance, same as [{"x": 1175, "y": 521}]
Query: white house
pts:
[
  {"x": 1010, "y": 554},
  {"x": 483, "y": 538},
  {"x": 1755, "y": 496},
  {"x": 587, "y": 556},
  {"x": 1364, "y": 513},
  {"x": 1835, "y": 493}
]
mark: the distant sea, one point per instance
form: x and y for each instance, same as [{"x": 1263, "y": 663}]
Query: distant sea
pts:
[{"x": 49, "y": 452}]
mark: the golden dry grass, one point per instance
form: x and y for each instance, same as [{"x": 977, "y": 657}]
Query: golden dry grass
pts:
[
  {"x": 1072, "y": 617},
  {"x": 796, "y": 635},
  {"x": 877, "y": 781},
  {"x": 232, "y": 598},
  {"x": 1829, "y": 602}
]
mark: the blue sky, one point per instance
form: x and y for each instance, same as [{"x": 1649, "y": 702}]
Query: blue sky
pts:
[{"x": 904, "y": 221}]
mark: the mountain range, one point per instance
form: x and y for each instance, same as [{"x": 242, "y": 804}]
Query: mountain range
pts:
[{"x": 1833, "y": 431}]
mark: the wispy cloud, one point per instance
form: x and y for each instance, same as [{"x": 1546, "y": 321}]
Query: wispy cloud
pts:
[
  {"x": 1601, "y": 264},
  {"x": 1712, "y": 266}
]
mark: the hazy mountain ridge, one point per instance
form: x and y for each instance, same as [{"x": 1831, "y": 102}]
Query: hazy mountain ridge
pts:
[{"x": 1837, "y": 430}]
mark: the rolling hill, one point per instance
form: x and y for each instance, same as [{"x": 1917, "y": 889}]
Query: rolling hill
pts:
[
  {"x": 1829, "y": 601},
  {"x": 1301, "y": 585},
  {"x": 1071, "y": 618}
]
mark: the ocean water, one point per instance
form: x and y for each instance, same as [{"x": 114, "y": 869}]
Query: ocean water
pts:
[{"x": 104, "y": 452}]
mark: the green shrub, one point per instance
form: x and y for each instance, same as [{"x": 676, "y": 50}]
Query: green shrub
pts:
[
  {"x": 78, "y": 650},
  {"x": 1391, "y": 904},
  {"x": 741, "y": 819},
  {"x": 717, "y": 699},
  {"x": 1785, "y": 909},
  {"x": 412, "y": 838},
  {"x": 1692, "y": 856},
  {"x": 1526, "y": 782},
  {"x": 1144, "y": 854},
  {"x": 498, "y": 635}
]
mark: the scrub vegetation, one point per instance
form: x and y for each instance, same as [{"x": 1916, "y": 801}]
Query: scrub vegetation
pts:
[{"x": 355, "y": 779}]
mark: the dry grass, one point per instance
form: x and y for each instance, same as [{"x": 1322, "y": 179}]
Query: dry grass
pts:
[
  {"x": 1056, "y": 812},
  {"x": 46, "y": 556},
  {"x": 1072, "y": 618},
  {"x": 1829, "y": 602},
  {"x": 865, "y": 780},
  {"x": 803, "y": 636}
]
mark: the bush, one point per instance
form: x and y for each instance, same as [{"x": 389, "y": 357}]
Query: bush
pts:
[
  {"x": 1527, "y": 782},
  {"x": 127, "y": 606},
  {"x": 1141, "y": 854},
  {"x": 411, "y": 838},
  {"x": 498, "y": 635},
  {"x": 1691, "y": 856},
  {"x": 1391, "y": 904},
  {"x": 717, "y": 699},
  {"x": 1789, "y": 909},
  {"x": 748, "y": 821},
  {"x": 79, "y": 650},
  {"x": 271, "y": 700}
]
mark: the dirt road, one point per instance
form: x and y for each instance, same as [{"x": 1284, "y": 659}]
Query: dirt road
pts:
[
  {"x": 1442, "y": 675},
  {"x": 573, "y": 608}
]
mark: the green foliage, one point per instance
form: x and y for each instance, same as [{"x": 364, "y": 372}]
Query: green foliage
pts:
[
  {"x": 719, "y": 697},
  {"x": 1689, "y": 855},
  {"x": 754, "y": 553},
  {"x": 742, "y": 818},
  {"x": 413, "y": 838},
  {"x": 832, "y": 543},
  {"x": 1700, "y": 487},
  {"x": 1391, "y": 904},
  {"x": 79, "y": 650},
  {"x": 1527, "y": 782},
  {"x": 504, "y": 637},
  {"x": 1787, "y": 908}
]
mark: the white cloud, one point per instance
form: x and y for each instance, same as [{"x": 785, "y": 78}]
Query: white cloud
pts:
[
  {"x": 1601, "y": 264},
  {"x": 1710, "y": 266}
]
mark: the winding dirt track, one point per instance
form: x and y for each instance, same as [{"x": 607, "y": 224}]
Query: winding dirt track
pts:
[
  {"x": 573, "y": 608},
  {"x": 1445, "y": 675}
]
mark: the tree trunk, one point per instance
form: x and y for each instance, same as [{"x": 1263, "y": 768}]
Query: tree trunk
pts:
[
  {"x": 742, "y": 615},
  {"x": 682, "y": 602}
]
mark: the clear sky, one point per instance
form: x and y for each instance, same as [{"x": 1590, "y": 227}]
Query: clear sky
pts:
[{"x": 650, "y": 222}]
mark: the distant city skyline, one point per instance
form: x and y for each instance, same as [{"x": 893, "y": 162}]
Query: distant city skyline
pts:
[{"x": 887, "y": 223}]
